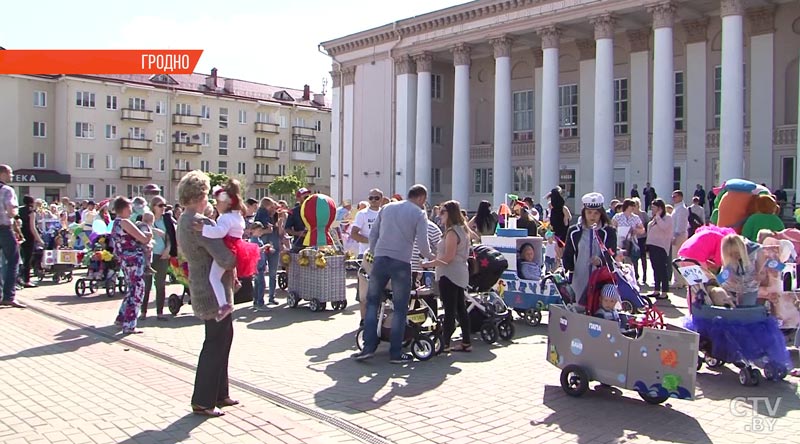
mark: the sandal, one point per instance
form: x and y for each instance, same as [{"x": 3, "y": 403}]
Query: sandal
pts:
[
  {"x": 202, "y": 411},
  {"x": 227, "y": 402},
  {"x": 466, "y": 348}
]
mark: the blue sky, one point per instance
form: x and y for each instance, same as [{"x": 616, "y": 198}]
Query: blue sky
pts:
[{"x": 268, "y": 41}]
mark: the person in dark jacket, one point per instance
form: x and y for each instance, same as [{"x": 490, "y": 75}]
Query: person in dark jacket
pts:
[{"x": 582, "y": 253}]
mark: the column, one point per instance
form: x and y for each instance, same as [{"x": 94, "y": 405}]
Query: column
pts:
[
  {"x": 640, "y": 106},
  {"x": 731, "y": 137},
  {"x": 797, "y": 140},
  {"x": 336, "y": 134},
  {"x": 604, "y": 106},
  {"x": 663, "y": 99},
  {"x": 586, "y": 67},
  {"x": 422, "y": 171},
  {"x": 461, "y": 131},
  {"x": 406, "y": 92},
  {"x": 762, "y": 64},
  {"x": 502, "y": 118},
  {"x": 695, "y": 114},
  {"x": 537, "y": 127},
  {"x": 550, "y": 145},
  {"x": 348, "y": 79}
]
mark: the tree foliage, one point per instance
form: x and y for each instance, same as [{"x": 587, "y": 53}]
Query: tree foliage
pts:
[
  {"x": 285, "y": 185},
  {"x": 217, "y": 179}
]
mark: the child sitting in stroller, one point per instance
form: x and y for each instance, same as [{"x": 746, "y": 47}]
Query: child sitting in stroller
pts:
[{"x": 738, "y": 275}]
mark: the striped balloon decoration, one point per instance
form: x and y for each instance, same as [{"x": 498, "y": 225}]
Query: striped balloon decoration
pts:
[{"x": 318, "y": 212}]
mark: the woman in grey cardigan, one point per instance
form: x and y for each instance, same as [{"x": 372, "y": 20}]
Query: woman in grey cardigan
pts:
[{"x": 211, "y": 380}]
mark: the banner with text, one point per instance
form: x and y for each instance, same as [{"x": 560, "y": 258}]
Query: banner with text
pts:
[{"x": 99, "y": 61}]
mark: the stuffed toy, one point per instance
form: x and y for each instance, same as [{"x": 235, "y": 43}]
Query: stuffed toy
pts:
[
  {"x": 791, "y": 235},
  {"x": 734, "y": 203},
  {"x": 770, "y": 282},
  {"x": 721, "y": 298},
  {"x": 763, "y": 216}
]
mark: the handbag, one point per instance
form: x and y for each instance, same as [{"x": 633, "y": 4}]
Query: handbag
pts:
[{"x": 631, "y": 245}]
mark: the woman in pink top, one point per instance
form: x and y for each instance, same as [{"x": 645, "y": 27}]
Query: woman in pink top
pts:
[{"x": 659, "y": 240}]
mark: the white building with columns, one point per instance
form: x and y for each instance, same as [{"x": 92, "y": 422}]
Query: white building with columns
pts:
[{"x": 495, "y": 97}]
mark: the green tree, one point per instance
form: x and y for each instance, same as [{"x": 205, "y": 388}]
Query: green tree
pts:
[
  {"x": 217, "y": 179},
  {"x": 299, "y": 171},
  {"x": 285, "y": 185}
]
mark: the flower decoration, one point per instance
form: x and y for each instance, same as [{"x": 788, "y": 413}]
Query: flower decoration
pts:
[{"x": 286, "y": 259}]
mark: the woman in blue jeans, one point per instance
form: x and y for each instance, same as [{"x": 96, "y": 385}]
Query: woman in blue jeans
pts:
[{"x": 273, "y": 222}]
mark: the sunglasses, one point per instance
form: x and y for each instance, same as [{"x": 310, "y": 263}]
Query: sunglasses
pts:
[
  {"x": 161, "y": 205},
  {"x": 374, "y": 198}
]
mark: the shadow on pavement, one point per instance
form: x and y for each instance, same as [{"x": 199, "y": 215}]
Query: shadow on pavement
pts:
[
  {"x": 280, "y": 316},
  {"x": 178, "y": 431},
  {"x": 69, "y": 340},
  {"x": 723, "y": 384},
  {"x": 345, "y": 342},
  {"x": 602, "y": 415}
]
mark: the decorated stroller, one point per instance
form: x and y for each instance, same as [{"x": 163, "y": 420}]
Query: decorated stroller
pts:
[
  {"x": 56, "y": 257},
  {"x": 179, "y": 272},
  {"x": 488, "y": 312},
  {"x": 746, "y": 336},
  {"x": 103, "y": 270}
]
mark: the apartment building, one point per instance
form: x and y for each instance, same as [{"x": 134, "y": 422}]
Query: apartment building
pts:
[
  {"x": 493, "y": 97},
  {"x": 93, "y": 137}
]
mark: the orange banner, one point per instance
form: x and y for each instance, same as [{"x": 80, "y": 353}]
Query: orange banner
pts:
[{"x": 99, "y": 61}]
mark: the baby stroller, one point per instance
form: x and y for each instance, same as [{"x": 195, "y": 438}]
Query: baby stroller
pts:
[
  {"x": 178, "y": 270},
  {"x": 488, "y": 312},
  {"x": 54, "y": 257},
  {"x": 423, "y": 330},
  {"x": 746, "y": 336},
  {"x": 103, "y": 271}
]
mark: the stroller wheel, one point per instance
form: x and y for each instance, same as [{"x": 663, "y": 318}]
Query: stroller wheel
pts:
[
  {"x": 437, "y": 342},
  {"x": 283, "y": 280},
  {"x": 774, "y": 372},
  {"x": 423, "y": 348},
  {"x": 174, "y": 304},
  {"x": 505, "y": 329},
  {"x": 56, "y": 278},
  {"x": 489, "y": 333},
  {"x": 574, "y": 380},
  {"x": 627, "y": 307},
  {"x": 292, "y": 300},
  {"x": 749, "y": 376},
  {"x": 80, "y": 287},
  {"x": 111, "y": 289},
  {"x": 712, "y": 362},
  {"x": 532, "y": 317},
  {"x": 654, "y": 398},
  {"x": 360, "y": 338}
]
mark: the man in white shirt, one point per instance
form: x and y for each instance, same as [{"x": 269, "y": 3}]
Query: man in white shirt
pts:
[
  {"x": 680, "y": 230},
  {"x": 362, "y": 225}
]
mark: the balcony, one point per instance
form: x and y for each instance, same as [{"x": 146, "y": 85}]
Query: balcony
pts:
[
  {"x": 186, "y": 148},
  {"x": 178, "y": 174},
  {"x": 263, "y": 179},
  {"x": 264, "y": 127},
  {"x": 304, "y": 156},
  {"x": 127, "y": 143},
  {"x": 259, "y": 153},
  {"x": 183, "y": 119},
  {"x": 135, "y": 173},
  {"x": 141, "y": 115},
  {"x": 311, "y": 180},
  {"x": 302, "y": 132}
]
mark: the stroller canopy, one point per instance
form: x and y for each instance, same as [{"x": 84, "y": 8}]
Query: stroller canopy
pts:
[{"x": 486, "y": 266}]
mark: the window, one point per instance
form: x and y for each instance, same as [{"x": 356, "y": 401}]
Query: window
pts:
[
  {"x": 111, "y": 102},
  {"x": 679, "y": 101},
  {"x": 566, "y": 179},
  {"x": 85, "y": 190},
  {"x": 182, "y": 164},
  {"x": 111, "y": 132},
  {"x": 319, "y": 125},
  {"x": 281, "y": 145},
  {"x": 787, "y": 173},
  {"x": 136, "y": 162},
  {"x": 205, "y": 139},
  {"x": 717, "y": 95},
  {"x": 135, "y": 190},
  {"x": 282, "y": 120},
  {"x": 676, "y": 178},
  {"x": 223, "y": 144},
  {"x": 39, "y": 160},
  {"x": 111, "y": 162},
  {"x": 436, "y": 86},
  {"x": 223, "y": 117},
  {"x": 436, "y": 135},
  {"x": 242, "y": 116},
  {"x": 222, "y": 167},
  {"x": 40, "y": 99},
  {"x": 160, "y": 136},
  {"x": 204, "y": 166},
  {"x": 261, "y": 193},
  {"x": 183, "y": 109},
  {"x": 523, "y": 179},
  {"x": 305, "y": 146},
  {"x": 436, "y": 179},
  {"x": 483, "y": 180},
  {"x": 568, "y": 110},
  {"x": 111, "y": 191},
  {"x": 136, "y": 103},
  {"x": 84, "y": 130},
  {"x": 262, "y": 117},
  {"x": 136, "y": 133},
  {"x": 621, "y": 107},
  {"x": 162, "y": 165},
  {"x": 242, "y": 142},
  {"x": 300, "y": 122},
  {"x": 281, "y": 170},
  {"x": 205, "y": 112},
  {"x": 262, "y": 143},
  {"x": 84, "y": 161},
  {"x": 39, "y": 129},
  {"x": 262, "y": 168},
  {"x": 161, "y": 107},
  {"x": 523, "y": 115},
  {"x": 317, "y": 172},
  {"x": 619, "y": 183},
  {"x": 182, "y": 137},
  {"x": 84, "y": 99},
  {"x": 319, "y": 148},
  {"x": 241, "y": 168}
]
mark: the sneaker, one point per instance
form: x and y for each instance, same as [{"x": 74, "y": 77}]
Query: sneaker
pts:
[
  {"x": 260, "y": 308},
  {"x": 272, "y": 302},
  {"x": 405, "y": 358},
  {"x": 363, "y": 355},
  {"x": 224, "y": 311},
  {"x": 29, "y": 285}
]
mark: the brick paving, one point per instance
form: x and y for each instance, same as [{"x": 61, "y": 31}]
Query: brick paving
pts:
[{"x": 500, "y": 393}]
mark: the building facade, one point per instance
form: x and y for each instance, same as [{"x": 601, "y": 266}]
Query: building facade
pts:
[
  {"x": 93, "y": 137},
  {"x": 495, "y": 97}
]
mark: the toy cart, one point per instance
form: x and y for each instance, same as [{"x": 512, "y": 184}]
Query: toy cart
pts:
[
  {"x": 658, "y": 364},
  {"x": 58, "y": 262},
  {"x": 318, "y": 285},
  {"x": 528, "y": 298}
]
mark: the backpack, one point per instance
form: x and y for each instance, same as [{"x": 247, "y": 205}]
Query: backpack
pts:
[{"x": 694, "y": 222}]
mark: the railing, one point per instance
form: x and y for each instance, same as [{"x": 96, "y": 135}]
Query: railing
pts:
[
  {"x": 177, "y": 174},
  {"x": 184, "y": 119},
  {"x": 304, "y": 132},
  {"x": 785, "y": 135},
  {"x": 304, "y": 156},
  {"x": 712, "y": 138},
  {"x": 135, "y": 173},
  {"x": 137, "y": 114},
  {"x": 127, "y": 143},
  {"x": 265, "y": 153},
  {"x": 186, "y": 148},
  {"x": 262, "y": 178},
  {"x": 263, "y": 127}
]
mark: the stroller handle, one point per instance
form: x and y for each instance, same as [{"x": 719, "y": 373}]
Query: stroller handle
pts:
[{"x": 679, "y": 260}]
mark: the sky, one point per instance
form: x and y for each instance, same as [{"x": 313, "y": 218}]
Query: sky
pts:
[{"x": 267, "y": 41}]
